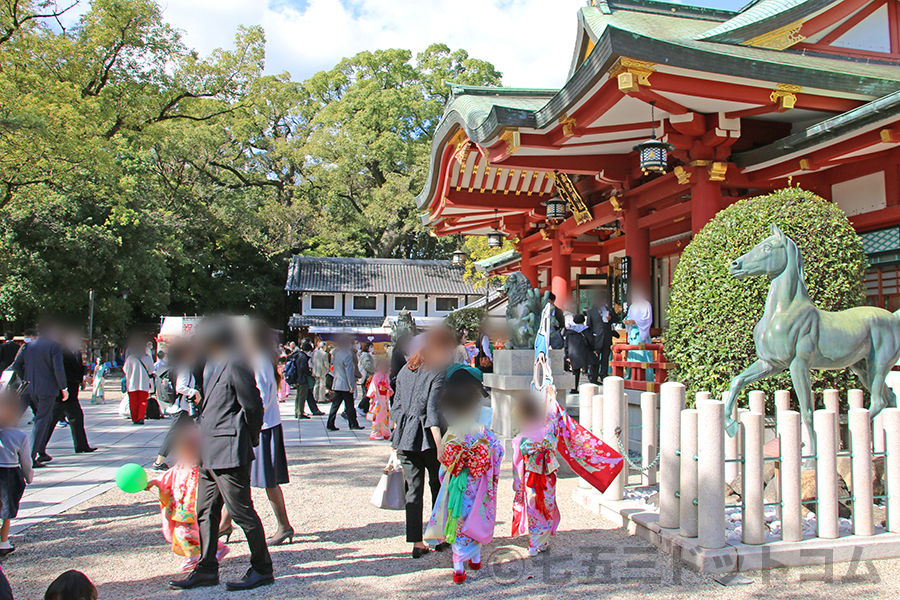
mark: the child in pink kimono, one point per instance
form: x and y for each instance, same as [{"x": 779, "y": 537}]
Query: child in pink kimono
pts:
[
  {"x": 465, "y": 510},
  {"x": 379, "y": 394},
  {"x": 178, "y": 500},
  {"x": 535, "y": 512}
]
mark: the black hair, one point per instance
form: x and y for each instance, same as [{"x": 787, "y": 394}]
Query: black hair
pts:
[
  {"x": 578, "y": 319},
  {"x": 30, "y": 332},
  {"x": 9, "y": 335},
  {"x": 551, "y": 297},
  {"x": 461, "y": 392},
  {"x": 71, "y": 585},
  {"x": 307, "y": 346}
]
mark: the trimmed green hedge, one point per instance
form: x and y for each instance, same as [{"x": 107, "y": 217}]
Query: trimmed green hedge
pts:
[
  {"x": 711, "y": 315},
  {"x": 470, "y": 318}
]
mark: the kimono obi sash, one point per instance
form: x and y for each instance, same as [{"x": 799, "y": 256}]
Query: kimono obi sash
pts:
[
  {"x": 476, "y": 458},
  {"x": 540, "y": 455}
]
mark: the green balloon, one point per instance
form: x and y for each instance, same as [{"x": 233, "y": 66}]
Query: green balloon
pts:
[{"x": 131, "y": 478}]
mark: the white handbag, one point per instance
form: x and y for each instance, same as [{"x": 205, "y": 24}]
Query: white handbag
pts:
[{"x": 390, "y": 493}]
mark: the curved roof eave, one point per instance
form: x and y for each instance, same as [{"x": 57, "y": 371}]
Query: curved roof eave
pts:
[{"x": 761, "y": 18}]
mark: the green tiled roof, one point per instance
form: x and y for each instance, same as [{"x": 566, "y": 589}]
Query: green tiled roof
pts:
[{"x": 761, "y": 17}]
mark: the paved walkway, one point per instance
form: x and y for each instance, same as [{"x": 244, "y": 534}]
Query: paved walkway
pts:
[{"x": 71, "y": 479}]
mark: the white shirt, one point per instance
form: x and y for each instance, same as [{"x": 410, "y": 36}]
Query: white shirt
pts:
[
  {"x": 268, "y": 391},
  {"x": 185, "y": 391}
]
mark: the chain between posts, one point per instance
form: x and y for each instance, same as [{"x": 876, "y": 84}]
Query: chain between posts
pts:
[{"x": 627, "y": 458}]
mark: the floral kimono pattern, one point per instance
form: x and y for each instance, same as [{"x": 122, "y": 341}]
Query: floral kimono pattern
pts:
[
  {"x": 379, "y": 394},
  {"x": 466, "y": 507},
  {"x": 535, "y": 512},
  {"x": 98, "y": 395},
  {"x": 178, "y": 506}
]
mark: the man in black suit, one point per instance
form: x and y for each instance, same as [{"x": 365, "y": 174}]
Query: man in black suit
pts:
[
  {"x": 40, "y": 363},
  {"x": 70, "y": 408},
  {"x": 8, "y": 350},
  {"x": 600, "y": 320},
  {"x": 231, "y": 417}
]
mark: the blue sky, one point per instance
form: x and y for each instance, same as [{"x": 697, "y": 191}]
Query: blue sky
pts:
[{"x": 530, "y": 41}]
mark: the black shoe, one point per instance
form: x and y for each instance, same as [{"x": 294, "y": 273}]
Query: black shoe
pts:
[
  {"x": 249, "y": 581},
  {"x": 332, "y": 429},
  {"x": 442, "y": 546},
  {"x": 160, "y": 467},
  {"x": 7, "y": 551},
  {"x": 357, "y": 427},
  {"x": 195, "y": 580},
  {"x": 318, "y": 414},
  {"x": 38, "y": 465},
  {"x": 420, "y": 552},
  {"x": 44, "y": 458},
  {"x": 85, "y": 450},
  {"x": 302, "y": 416},
  {"x": 141, "y": 422}
]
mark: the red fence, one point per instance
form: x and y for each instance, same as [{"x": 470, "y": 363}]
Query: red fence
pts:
[{"x": 638, "y": 379}]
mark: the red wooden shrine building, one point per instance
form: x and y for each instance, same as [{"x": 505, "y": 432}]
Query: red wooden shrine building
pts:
[{"x": 784, "y": 91}]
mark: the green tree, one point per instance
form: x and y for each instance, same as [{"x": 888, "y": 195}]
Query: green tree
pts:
[{"x": 712, "y": 315}]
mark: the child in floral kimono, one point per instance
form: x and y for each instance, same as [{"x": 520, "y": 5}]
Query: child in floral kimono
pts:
[
  {"x": 379, "y": 394},
  {"x": 98, "y": 395},
  {"x": 535, "y": 512},
  {"x": 178, "y": 499},
  {"x": 465, "y": 509}
]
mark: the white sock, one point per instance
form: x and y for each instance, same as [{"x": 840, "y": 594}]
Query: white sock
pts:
[
  {"x": 5, "y": 545},
  {"x": 459, "y": 567}
]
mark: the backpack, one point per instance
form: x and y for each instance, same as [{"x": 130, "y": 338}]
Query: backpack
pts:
[
  {"x": 291, "y": 373},
  {"x": 165, "y": 387}
]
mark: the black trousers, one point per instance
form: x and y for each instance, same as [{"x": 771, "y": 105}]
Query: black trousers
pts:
[
  {"x": 71, "y": 409},
  {"x": 231, "y": 488},
  {"x": 603, "y": 354},
  {"x": 43, "y": 408},
  {"x": 415, "y": 465},
  {"x": 179, "y": 421},
  {"x": 345, "y": 398}
]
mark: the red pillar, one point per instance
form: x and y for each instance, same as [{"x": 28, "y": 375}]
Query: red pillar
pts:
[
  {"x": 637, "y": 248},
  {"x": 560, "y": 272},
  {"x": 529, "y": 270},
  {"x": 706, "y": 199}
]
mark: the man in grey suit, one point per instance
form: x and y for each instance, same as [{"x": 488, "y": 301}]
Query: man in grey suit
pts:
[
  {"x": 344, "y": 384},
  {"x": 40, "y": 363},
  {"x": 231, "y": 417}
]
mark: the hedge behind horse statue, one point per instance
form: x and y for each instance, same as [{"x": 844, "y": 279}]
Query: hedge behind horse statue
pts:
[{"x": 795, "y": 335}]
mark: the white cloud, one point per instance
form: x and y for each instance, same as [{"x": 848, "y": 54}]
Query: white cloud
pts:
[{"x": 529, "y": 41}]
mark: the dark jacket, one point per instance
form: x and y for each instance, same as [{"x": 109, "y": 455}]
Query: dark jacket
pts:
[
  {"x": 301, "y": 362},
  {"x": 580, "y": 348},
  {"x": 231, "y": 415},
  {"x": 416, "y": 408},
  {"x": 600, "y": 329},
  {"x": 8, "y": 351},
  {"x": 398, "y": 361},
  {"x": 73, "y": 367},
  {"x": 40, "y": 363}
]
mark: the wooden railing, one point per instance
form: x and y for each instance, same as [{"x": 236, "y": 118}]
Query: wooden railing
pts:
[{"x": 638, "y": 379}]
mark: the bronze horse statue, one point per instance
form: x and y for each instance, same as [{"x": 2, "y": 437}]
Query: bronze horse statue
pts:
[{"x": 794, "y": 335}]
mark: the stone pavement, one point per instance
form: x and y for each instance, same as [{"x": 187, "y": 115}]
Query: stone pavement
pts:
[{"x": 71, "y": 479}]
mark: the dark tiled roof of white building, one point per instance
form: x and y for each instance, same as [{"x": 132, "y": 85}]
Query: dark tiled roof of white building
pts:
[
  {"x": 334, "y": 321},
  {"x": 376, "y": 276}
]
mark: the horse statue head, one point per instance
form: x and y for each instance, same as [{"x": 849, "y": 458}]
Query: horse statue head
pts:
[{"x": 770, "y": 257}]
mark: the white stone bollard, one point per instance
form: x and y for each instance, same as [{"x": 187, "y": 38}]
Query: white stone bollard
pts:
[
  {"x": 861, "y": 447},
  {"x": 826, "y": 474},
  {"x": 754, "y": 520},
  {"x": 615, "y": 417},
  {"x": 702, "y": 396},
  {"x": 711, "y": 474},
  {"x": 892, "y": 466},
  {"x": 782, "y": 401},
  {"x": 597, "y": 416},
  {"x": 732, "y": 447},
  {"x": 758, "y": 402},
  {"x": 791, "y": 514},
  {"x": 649, "y": 445},
  {"x": 878, "y": 433},
  {"x": 831, "y": 399},
  {"x": 586, "y": 393},
  {"x": 671, "y": 404},
  {"x": 856, "y": 399},
  {"x": 688, "y": 521}
]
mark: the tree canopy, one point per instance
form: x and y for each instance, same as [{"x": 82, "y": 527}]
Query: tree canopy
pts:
[{"x": 168, "y": 182}]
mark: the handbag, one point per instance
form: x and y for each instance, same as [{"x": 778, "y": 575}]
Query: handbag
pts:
[
  {"x": 390, "y": 493},
  {"x": 485, "y": 362}
]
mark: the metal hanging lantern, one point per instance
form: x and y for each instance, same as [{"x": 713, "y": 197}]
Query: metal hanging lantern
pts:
[
  {"x": 556, "y": 209},
  {"x": 459, "y": 257},
  {"x": 654, "y": 154},
  {"x": 495, "y": 238}
]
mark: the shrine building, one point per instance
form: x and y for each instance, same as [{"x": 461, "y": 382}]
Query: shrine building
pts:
[{"x": 726, "y": 104}]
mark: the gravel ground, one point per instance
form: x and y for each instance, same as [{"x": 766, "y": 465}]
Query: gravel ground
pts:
[{"x": 348, "y": 549}]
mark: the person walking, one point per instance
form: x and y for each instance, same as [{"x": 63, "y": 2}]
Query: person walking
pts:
[
  {"x": 600, "y": 320},
  {"x": 367, "y": 370},
  {"x": 138, "y": 381},
  {"x": 177, "y": 372},
  {"x": 305, "y": 383},
  {"x": 417, "y": 436},
  {"x": 579, "y": 349},
  {"x": 231, "y": 419},
  {"x": 344, "y": 385},
  {"x": 8, "y": 350},
  {"x": 69, "y": 407},
  {"x": 321, "y": 365},
  {"x": 40, "y": 363}
]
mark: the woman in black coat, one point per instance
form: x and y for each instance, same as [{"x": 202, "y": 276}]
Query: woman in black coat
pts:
[
  {"x": 417, "y": 436},
  {"x": 579, "y": 348}
]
